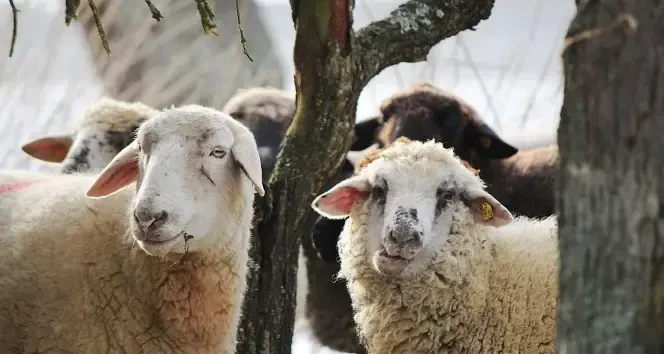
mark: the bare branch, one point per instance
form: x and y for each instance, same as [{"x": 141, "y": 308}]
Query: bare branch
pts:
[
  {"x": 14, "y": 28},
  {"x": 413, "y": 28},
  {"x": 155, "y": 12},
  {"x": 239, "y": 26},
  {"x": 70, "y": 10},
  {"x": 207, "y": 17},
  {"x": 100, "y": 28}
]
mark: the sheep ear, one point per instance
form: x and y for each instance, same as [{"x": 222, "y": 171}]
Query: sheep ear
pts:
[
  {"x": 487, "y": 143},
  {"x": 365, "y": 132},
  {"x": 339, "y": 201},
  {"x": 486, "y": 209},
  {"x": 122, "y": 171},
  {"x": 356, "y": 156},
  {"x": 51, "y": 148},
  {"x": 245, "y": 153}
]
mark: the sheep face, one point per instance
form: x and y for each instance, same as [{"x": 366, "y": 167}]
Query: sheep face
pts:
[
  {"x": 105, "y": 128},
  {"x": 93, "y": 148},
  {"x": 413, "y": 196},
  {"x": 192, "y": 165}
]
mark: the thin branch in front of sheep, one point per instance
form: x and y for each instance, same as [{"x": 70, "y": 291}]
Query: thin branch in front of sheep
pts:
[
  {"x": 239, "y": 26},
  {"x": 155, "y": 12},
  {"x": 100, "y": 28},
  {"x": 207, "y": 17},
  {"x": 187, "y": 237},
  {"x": 15, "y": 27},
  {"x": 70, "y": 10}
]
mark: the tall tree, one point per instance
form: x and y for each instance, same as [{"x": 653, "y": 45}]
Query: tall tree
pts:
[
  {"x": 333, "y": 64},
  {"x": 611, "y": 181}
]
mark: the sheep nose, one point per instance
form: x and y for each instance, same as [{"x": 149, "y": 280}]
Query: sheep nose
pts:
[
  {"x": 403, "y": 234},
  {"x": 150, "y": 220}
]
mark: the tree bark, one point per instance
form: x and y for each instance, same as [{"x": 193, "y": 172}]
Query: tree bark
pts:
[
  {"x": 332, "y": 67},
  {"x": 611, "y": 181}
]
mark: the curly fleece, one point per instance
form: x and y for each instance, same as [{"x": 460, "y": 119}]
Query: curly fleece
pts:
[
  {"x": 486, "y": 290},
  {"x": 73, "y": 281}
]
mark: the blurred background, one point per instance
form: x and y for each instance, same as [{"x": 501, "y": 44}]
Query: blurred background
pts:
[{"x": 509, "y": 69}]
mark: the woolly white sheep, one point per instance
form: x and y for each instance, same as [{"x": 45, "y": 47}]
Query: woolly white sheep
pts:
[
  {"x": 105, "y": 128},
  {"x": 158, "y": 269},
  {"x": 435, "y": 264}
]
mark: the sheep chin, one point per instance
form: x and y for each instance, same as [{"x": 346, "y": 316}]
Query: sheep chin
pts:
[{"x": 159, "y": 249}]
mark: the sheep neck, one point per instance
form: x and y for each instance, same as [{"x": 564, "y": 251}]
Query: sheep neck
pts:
[{"x": 177, "y": 305}]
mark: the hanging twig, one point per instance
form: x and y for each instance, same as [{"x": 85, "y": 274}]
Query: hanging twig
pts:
[
  {"x": 187, "y": 237},
  {"x": 70, "y": 10},
  {"x": 155, "y": 12},
  {"x": 239, "y": 25},
  {"x": 15, "y": 20},
  {"x": 207, "y": 17},
  {"x": 100, "y": 28}
]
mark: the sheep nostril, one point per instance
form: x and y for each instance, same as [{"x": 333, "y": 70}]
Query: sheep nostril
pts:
[
  {"x": 158, "y": 219},
  {"x": 391, "y": 237}
]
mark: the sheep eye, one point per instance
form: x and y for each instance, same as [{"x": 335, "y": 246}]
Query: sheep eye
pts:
[
  {"x": 444, "y": 194},
  {"x": 378, "y": 193},
  {"x": 218, "y": 152}
]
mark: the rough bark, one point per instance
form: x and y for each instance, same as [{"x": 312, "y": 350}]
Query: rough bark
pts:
[
  {"x": 611, "y": 195},
  {"x": 332, "y": 67}
]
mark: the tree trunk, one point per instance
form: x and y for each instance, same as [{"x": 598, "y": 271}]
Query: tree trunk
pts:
[
  {"x": 611, "y": 195},
  {"x": 332, "y": 66}
]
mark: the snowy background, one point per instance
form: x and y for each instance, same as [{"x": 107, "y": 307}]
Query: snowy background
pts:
[{"x": 509, "y": 69}]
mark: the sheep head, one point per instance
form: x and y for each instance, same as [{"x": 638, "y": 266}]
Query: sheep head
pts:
[
  {"x": 105, "y": 128},
  {"x": 192, "y": 166},
  {"x": 412, "y": 194},
  {"x": 425, "y": 112}
]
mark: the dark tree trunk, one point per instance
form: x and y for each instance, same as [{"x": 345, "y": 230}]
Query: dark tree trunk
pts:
[{"x": 611, "y": 195}]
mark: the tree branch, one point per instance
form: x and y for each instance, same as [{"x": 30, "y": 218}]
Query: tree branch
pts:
[
  {"x": 100, "y": 28},
  {"x": 239, "y": 26},
  {"x": 413, "y": 28},
  {"x": 153, "y": 9},
  {"x": 207, "y": 17},
  {"x": 14, "y": 28}
]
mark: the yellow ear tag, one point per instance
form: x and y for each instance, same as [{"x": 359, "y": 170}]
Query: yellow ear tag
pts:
[{"x": 487, "y": 210}]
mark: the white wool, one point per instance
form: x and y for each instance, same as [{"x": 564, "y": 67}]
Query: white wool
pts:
[
  {"x": 470, "y": 287},
  {"x": 78, "y": 271},
  {"x": 264, "y": 101}
]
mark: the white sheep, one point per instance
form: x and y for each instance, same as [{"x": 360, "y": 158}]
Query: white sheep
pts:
[
  {"x": 105, "y": 128},
  {"x": 156, "y": 269},
  {"x": 267, "y": 112},
  {"x": 435, "y": 264}
]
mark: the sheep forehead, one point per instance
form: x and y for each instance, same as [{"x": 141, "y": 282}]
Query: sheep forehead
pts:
[
  {"x": 114, "y": 115},
  {"x": 267, "y": 100},
  {"x": 421, "y": 164},
  {"x": 190, "y": 123}
]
